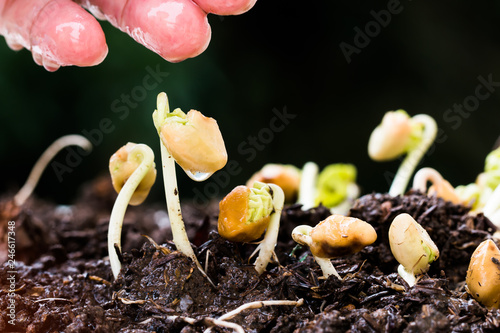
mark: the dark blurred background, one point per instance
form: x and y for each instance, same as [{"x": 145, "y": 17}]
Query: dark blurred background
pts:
[{"x": 282, "y": 57}]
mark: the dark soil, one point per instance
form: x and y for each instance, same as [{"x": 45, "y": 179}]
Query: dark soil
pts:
[{"x": 64, "y": 281}]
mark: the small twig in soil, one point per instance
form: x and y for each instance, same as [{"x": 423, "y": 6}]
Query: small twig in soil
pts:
[
  {"x": 52, "y": 299},
  {"x": 15, "y": 291},
  {"x": 322, "y": 307},
  {"x": 130, "y": 301},
  {"x": 394, "y": 286},
  {"x": 187, "y": 278},
  {"x": 163, "y": 249},
  {"x": 206, "y": 260},
  {"x": 99, "y": 279},
  {"x": 374, "y": 296}
]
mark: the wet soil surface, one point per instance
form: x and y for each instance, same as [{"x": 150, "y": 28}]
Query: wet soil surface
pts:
[{"x": 64, "y": 282}]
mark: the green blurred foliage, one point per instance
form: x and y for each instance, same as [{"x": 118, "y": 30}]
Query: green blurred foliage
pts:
[{"x": 281, "y": 54}]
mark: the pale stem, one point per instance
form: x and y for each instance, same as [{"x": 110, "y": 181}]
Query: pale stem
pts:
[
  {"x": 121, "y": 203},
  {"x": 301, "y": 234},
  {"x": 327, "y": 267},
  {"x": 307, "y": 189},
  {"x": 40, "y": 165},
  {"x": 271, "y": 236},
  {"x": 179, "y": 234},
  {"x": 411, "y": 160},
  {"x": 408, "y": 276},
  {"x": 423, "y": 176}
]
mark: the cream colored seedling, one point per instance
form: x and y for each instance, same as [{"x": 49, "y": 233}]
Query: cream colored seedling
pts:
[
  {"x": 41, "y": 164},
  {"x": 399, "y": 134},
  {"x": 133, "y": 173},
  {"x": 195, "y": 143},
  {"x": 412, "y": 247}
]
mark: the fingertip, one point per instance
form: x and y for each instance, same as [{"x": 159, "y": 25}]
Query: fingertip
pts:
[
  {"x": 13, "y": 44},
  {"x": 64, "y": 34},
  {"x": 226, "y": 7},
  {"x": 174, "y": 29}
]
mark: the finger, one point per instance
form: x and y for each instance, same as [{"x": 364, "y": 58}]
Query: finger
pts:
[
  {"x": 174, "y": 29},
  {"x": 226, "y": 7},
  {"x": 57, "y": 32}
]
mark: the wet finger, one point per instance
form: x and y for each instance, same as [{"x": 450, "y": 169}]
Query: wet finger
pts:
[
  {"x": 57, "y": 32},
  {"x": 226, "y": 7},
  {"x": 174, "y": 29}
]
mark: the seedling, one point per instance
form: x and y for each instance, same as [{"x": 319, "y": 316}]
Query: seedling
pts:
[
  {"x": 412, "y": 247},
  {"x": 440, "y": 186},
  {"x": 133, "y": 173},
  {"x": 479, "y": 193},
  {"x": 40, "y": 165},
  {"x": 195, "y": 143},
  {"x": 245, "y": 213},
  {"x": 307, "y": 189},
  {"x": 492, "y": 209},
  {"x": 285, "y": 176},
  {"x": 482, "y": 276},
  {"x": 335, "y": 187},
  {"x": 334, "y": 237},
  {"x": 399, "y": 134}
]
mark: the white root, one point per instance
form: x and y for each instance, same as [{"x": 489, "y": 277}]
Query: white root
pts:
[
  {"x": 256, "y": 305},
  {"x": 271, "y": 236}
]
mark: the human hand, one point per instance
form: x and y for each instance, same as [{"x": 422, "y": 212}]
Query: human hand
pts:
[{"x": 62, "y": 33}]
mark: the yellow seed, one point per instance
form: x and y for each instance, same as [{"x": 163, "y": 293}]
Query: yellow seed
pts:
[{"x": 483, "y": 281}]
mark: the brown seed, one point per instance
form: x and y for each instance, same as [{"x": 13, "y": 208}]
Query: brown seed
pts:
[{"x": 339, "y": 235}]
